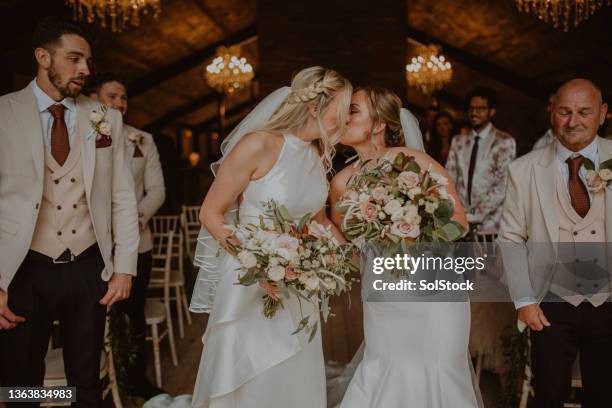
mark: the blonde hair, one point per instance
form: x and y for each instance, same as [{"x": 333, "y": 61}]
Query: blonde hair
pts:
[
  {"x": 385, "y": 108},
  {"x": 317, "y": 87}
]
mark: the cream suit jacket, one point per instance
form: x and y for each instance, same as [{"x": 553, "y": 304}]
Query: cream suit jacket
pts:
[{"x": 109, "y": 187}]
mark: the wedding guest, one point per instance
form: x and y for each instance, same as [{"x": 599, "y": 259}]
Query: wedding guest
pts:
[
  {"x": 441, "y": 137},
  {"x": 427, "y": 123},
  {"x": 143, "y": 159},
  {"x": 548, "y": 215},
  {"x": 68, "y": 217},
  {"x": 478, "y": 162},
  {"x": 549, "y": 136}
]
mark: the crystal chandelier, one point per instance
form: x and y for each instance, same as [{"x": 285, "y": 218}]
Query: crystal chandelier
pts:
[
  {"x": 429, "y": 71},
  {"x": 118, "y": 12},
  {"x": 229, "y": 72},
  {"x": 562, "y": 12}
]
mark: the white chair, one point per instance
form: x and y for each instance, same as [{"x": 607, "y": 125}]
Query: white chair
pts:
[
  {"x": 55, "y": 374},
  {"x": 162, "y": 224},
  {"x": 157, "y": 312},
  {"x": 190, "y": 224}
]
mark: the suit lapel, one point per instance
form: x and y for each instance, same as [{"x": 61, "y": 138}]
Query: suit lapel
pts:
[
  {"x": 26, "y": 112},
  {"x": 545, "y": 175},
  {"x": 88, "y": 144}
]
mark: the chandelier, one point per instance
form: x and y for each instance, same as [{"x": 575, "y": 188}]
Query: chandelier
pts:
[
  {"x": 562, "y": 12},
  {"x": 229, "y": 72},
  {"x": 429, "y": 71},
  {"x": 118, "y": 12}
]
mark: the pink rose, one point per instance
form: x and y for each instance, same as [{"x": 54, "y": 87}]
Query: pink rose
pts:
[
  {"x": 368, "y": 211},
  {"x": 405, "y": 230},
  {"x": 408, "y": 179},
  {"x": 291, "y": 274},
  {"x": 316, "y": 230}
]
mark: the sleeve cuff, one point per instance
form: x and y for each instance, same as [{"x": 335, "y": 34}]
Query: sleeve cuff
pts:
[{"x": 524, "y": 302}]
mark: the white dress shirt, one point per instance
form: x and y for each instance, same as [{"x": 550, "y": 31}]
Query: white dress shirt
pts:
[
  {"x": 44, "y": 101},
  {"x": 484, "y": 134}
]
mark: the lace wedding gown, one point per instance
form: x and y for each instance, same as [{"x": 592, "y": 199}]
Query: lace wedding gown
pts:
[{"x": 250, "y": 361}]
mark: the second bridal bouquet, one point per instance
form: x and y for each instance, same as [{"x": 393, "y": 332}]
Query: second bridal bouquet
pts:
[
  {"x": 288, "y": 258},
  {"x": 395, "y": 200}
]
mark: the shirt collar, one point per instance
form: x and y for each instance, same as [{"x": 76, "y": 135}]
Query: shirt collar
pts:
[
  {"x": 44, "y": 101},
  {"x": 590, "y": 152},
  {"x": 484, "y": 133}
]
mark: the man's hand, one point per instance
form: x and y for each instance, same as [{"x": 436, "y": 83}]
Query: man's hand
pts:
[
  {"x": 533, "y": 316},
  {"x": 119, "y": 288},
  {"x": 141, "y": 225},
  {"x": 8, "y": 319}
]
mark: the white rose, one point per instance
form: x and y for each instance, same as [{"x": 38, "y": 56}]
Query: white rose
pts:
[
  {"x": 379, "y": 193},
  {"x": 439, "y": 179},
  {"x": 392, "y": 207},
  {"x": 96, "y": 116},
  {"x": 594, "y": 182},
  {"x": 286, "y": 246},
  {"x": 276, "y": 273},
  {"x": 443, "y": 193},
  {"x": 364, "y": 198},
  {"x": 352, "y": 195},
  {"x": 105, "y": 128},
  {"x": 430, "y": 207},
  {"x": 605, "y": 174},
  {"x": 330, "y": 283},
  {"x": 382, "y": 215},
  {"x": 312, "y": 283},
  {"x": 413, "y": 192},
  {"x": 410, "y": 212},
  {"x": 247, "y": 259}
]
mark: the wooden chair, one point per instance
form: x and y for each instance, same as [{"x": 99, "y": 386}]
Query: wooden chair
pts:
[
  {"x": 190, "y": 224},
  {"x": 157, "y": 312},
  {"x": 55, "y": 375},
  {"x": 164, "y": 224}
]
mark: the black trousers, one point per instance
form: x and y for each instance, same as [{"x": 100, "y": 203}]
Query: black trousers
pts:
[
  {"x": 134, "y": 308},
  {"x": 41, "y": 292},
  {"x": 585, "y": 329}
]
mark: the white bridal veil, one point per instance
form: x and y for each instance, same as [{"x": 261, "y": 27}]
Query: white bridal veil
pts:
[{"x": 208, "y": 251}]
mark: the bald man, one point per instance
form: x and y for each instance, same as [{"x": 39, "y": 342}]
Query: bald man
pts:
[{"x": 548, "y": 216}]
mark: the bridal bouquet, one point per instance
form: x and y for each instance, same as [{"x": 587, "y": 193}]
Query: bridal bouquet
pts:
[
  {"x": 286, "y": 258},
  {"x": 398, "y": 201}
]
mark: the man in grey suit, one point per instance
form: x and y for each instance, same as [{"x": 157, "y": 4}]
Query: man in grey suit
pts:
[{"x": 68, "y": 216}]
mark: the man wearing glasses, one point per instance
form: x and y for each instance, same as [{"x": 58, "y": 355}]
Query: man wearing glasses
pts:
[{"x": 478, "y": 162}]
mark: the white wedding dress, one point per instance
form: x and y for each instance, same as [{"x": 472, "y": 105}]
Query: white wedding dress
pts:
[
  {"x": 416, "y": 355},
  {"x": 248, "y": 360}
]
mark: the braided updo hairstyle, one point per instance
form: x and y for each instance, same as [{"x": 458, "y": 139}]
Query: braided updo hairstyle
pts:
[
  {"x": 385, "y": 108},
  {"x": 315, "y": 86}
]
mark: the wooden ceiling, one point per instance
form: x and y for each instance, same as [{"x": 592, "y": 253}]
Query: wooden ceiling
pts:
[{"x": 488, "y": 41}]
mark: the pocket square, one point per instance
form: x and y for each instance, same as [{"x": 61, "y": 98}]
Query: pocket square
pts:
[
  {"x": 137, "y": 152},
  {"x": 103, "y": 141}
]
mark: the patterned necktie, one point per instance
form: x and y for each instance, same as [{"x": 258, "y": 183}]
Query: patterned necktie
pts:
[
  {"x": 472, "y": 166},
  {"x": 578, "y": 192},
  {"x": 60, "y": 145}
]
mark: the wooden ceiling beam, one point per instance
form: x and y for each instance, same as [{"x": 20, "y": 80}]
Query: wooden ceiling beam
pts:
[
  {"x": 491, "y": 70},
  {"x": 156, "y": 77}
]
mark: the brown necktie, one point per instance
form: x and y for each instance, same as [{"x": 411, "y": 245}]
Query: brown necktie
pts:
[
  {"x": 472, "y": 167},
  {"x": 578, "y": 192},
  {"x": 60, "y": 145}
]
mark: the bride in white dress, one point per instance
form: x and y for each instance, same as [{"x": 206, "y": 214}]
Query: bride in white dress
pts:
[
  {"x": 416, "y": 353},
  {"x": 249, "y": 360}
]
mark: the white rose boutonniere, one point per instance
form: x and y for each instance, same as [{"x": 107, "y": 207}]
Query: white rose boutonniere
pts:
[
  {"x": 598, "y": 180},
  {"x": 136, "y": 138},
  {"x": 99, "y": 123}
]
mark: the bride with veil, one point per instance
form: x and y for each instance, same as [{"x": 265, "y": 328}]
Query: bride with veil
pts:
[
  {"x": 415, "y": 354},
  {"x": 282, "y": 150}
]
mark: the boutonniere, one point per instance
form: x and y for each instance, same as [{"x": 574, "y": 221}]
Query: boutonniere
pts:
[
  {"x": 137, "y": 140},
  {"x": 599, "y": 179},
  {"x": 99, "y": 123}
]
